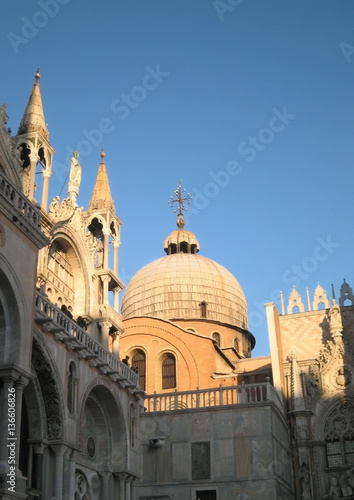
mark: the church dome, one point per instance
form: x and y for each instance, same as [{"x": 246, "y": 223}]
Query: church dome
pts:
[{"x": 184, "y": 285}]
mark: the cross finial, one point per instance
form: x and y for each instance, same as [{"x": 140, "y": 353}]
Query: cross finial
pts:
[{"x": 181, "y": 198}]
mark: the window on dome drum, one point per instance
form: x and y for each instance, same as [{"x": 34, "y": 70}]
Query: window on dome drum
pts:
[
  {"x": 216, "y": 337},
  {"x": 139, "y": 364},
  {"x": 236, "y": 345},
  {"x": 203, "y": 309},
  {"x": 169, "y": 372}
]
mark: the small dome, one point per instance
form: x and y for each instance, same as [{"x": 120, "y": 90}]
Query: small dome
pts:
[{"x": 184, "y": 285}]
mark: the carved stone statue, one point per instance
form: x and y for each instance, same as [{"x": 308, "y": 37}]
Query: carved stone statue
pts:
[
  {"x": 74, "y": 177},
  {"x": 334, "y": 489},
  {"x": 335, "y": 321},
  {"x": 305, "y": 482},
  {"x": 99, "y": 264}
]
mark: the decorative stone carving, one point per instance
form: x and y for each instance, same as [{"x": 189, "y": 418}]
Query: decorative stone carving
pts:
[
  {"x": 74, "y": 177},
  {"x": 295, "y": 301},
  {"x": 335, "y": 322},
  {"x": 343, "y": 377},
  {"x": 340, "y": 422},
  {"x": 49, "y": 390},
  {"x": 319, "y": 297},
  {"x": 82, "y": 487},
  {"x": 99, "y": 254},
  {"x": 334, "y": 489},
  {"x": 63, "y": 211},
  {"x": 346, "y": 293},
  {"x": 304, "y": 475}
]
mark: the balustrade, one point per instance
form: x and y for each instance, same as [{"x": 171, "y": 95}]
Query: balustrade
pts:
[
  {"x": 71, "y": 332},
  {"x": 20, "y": 203},
  {"x": 214, "y": 397}
]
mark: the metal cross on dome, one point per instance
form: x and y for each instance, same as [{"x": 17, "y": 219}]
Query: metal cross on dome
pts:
[{"x": 180, "y": 199}]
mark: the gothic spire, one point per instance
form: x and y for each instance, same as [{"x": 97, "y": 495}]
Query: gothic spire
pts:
[
  {"x": 101, "y": 195},
  {"x": 33, "y": 117}
]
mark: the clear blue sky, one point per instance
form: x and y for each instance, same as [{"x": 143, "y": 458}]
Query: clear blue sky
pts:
[{"x": 249, "y": 102}]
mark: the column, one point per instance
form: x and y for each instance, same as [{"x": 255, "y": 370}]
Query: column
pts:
[
  {"x": 105, "y": 249},
  {"x": 37, "y": 469},
  {"x": 105, "y": 485},
  {"x": 116, "y": 298},
  {"x": 105, "y": 280},
  {"x": 128, "y": 485},
  {"x": 46, "y": 176},
  {"x": 115, "y": 345},
  {"x": 69, "y": 474},
  {"x": 34, "y": 160},
  {"x": 19, "y": 386},
  {"x": 115, "y": 261},
  {"x": 59, "y": 450},
  {"x": 7, "y": 388},
  {"x": 121, "y": 479},
  {"x": 105, "y": 326}
]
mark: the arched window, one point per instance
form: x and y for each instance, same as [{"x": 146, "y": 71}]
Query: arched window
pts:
[
  {"x": 203, "y": 309},
  {"x": 236, "y": 345},
  {"x": 139, "y": 364},
  {"x": 216, "y": 337},
  {"x": 169, "y": 372},
  {"x": 71, "y": 388}
]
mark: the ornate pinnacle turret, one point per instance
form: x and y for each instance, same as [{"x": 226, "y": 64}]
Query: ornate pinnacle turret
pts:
[
  {"x": 33, "y": 117},
  {"x": 180, "y": 200},
  {"x": 101, "y": 196}
]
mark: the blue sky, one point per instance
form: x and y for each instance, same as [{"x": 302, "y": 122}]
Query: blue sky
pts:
[{"x": 249, "y": 102}]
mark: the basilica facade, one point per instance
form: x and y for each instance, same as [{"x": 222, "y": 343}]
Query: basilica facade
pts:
[{"x": 161, "y": 399}]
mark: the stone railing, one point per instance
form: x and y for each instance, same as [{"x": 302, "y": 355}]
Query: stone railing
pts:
[
  {"x": 76, "y": 338},
  {"x": 207, "y": 398},
  {"x": 20, "y": 204}
]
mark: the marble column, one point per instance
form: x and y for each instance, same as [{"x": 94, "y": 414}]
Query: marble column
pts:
[
  {"x": 46, "y": 176},
  {"x": 105, "y": 249},
  {"x": 37, "y": 465},
  {"x": 105, "y": 326},
  {"x": 59, "y": 450},
  {"x": 105, "y": 485},
  {"x": 115, "y": 261},
  {"x": 32, "y": 181},
  {"x": 7, "y": 389},
  {"x": 121, "y": 480}
]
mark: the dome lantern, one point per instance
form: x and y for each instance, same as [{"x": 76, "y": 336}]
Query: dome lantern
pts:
[{"x": 181, "y": 241}]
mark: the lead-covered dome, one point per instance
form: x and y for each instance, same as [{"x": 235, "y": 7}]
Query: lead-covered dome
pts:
[{"x": 184, "y": 285}]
